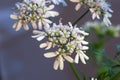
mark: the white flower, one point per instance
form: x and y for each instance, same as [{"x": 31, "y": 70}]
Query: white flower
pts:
[
  {"x": 105, "y": 6},
  {"x": 39, "y": 35},
  {"x": 35, "y": 12},
  {"x": 20, "y": 22},
  {"x": 68, "y": 40},
  {"x": 98, "y": 8},
  {"x": 80, "y": 55},
  {"x": 106, "y": 11},
  {"x": 63, "y": 40},
  {"x": 93, "y": 78},
  {"x": 95, "y": 13},
  {"x": 106, "y": 18},
  {"x": 71, "y": 46},
  {"x": 59, "y": 61},
  {"x": 91, "y": 3},
  {"x": 47, "y": 13},
  {"x": 46, "y": 45},
  {"x": 101, "y": 7}
]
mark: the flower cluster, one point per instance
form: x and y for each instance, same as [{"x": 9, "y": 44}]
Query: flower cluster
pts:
[
  {"x": 39, "y": 12},
  {"x": 68, "y": 39},
  {"x": 67, "y": 42},
  {"x": 35, "y": 12},
  {"x": 97, "y": 8}
]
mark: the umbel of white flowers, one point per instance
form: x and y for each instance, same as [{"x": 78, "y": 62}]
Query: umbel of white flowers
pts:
[
  {"x": 97, "y": 8},
  {"x": 39, "y": 12},
  {"x": 35, "y": 12},
  {"x": 68, "y": 39}
]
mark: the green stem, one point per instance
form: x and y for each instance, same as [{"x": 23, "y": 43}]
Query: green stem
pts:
[
  {"x": 74, "y": 71},
  {"x": 80, "y": 18}
]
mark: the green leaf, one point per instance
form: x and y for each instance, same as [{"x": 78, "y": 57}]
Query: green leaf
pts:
[
  {"x": 113, "y": 32},
  {"x": 116, "y": 77},
  {"x": 98, "y": 45},
  {"x": 84, "y": 76}
]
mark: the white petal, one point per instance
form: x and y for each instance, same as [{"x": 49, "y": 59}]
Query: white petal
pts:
[
  {"x": 40, "y": 38},
  {"x": 77, "y": 58},
  {"x": 46, "y": 21},
  {"x": 25, "y": 25},
  {"x": 56, "y": 64},
  {"x": 84, "y": 42},
  {"x": 83, "y": 32},
  {"x": 85, "y": 56},
  {"x": 91, "y": 10},
  {"x": 82, "y": 58},
  {"x": 13, "y": 16},
  {"x": 98, "y": 17},
  {"x": 36, "y": 36},
  {"x": 75, "y": 0},
  {"x": 15, "y": 25},
  {"x": 51, "y": 14},
  {"x": 40, "y": 24},
  {"x": 84, "y": 48},
  {"x": 94, "y": 16},
  {"x": 70, "y": 24},
  {"x": 50, "y": 54},
  {"x": 92, "y": 78},
  {"x": 106, "y": 21},
  {"x": 77, "y": 7},
  {"x": 34, "y": 24},
  {"x": 61, "y": 62},
  {"x": 69, "y": 59},
  {"x": 43, "y": 45},
  {"x": 48, "y": 46},
  {"x": 50, "y": 7},
  {"x": 47, "y": 25},
  {"x": 36, "y": 32},
  {"x": 19, "y": 25}
]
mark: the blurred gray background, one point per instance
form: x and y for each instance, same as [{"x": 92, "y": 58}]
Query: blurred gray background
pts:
[{"x": 20, "y": 55}]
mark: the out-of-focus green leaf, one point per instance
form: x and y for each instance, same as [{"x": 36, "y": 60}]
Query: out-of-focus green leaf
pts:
[
  {"x": 116, "y": 66},
  {"x": 107, "y": 78},
  {"x": 117, "y": 58},
  {"x": 116, "y": 77},
  {"x": 103, "y": 70},
  {"x": 101, "y": 30},
  {"x": 109, "y": 68},
  {"x": 98, "y": 45},
  {"x": 105, "y": 73},
  {"x": 113, "y": 31},
  {"x": 118, "y": 51},
  {"x": 84, "y": 76}
]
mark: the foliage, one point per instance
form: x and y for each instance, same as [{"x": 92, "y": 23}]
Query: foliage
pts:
[{"x": 108, "y": 68}]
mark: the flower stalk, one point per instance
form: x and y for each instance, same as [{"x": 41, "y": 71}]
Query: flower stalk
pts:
[
  {"x": 74, "y": 71},
  {"x": 80, "y": 17}
]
